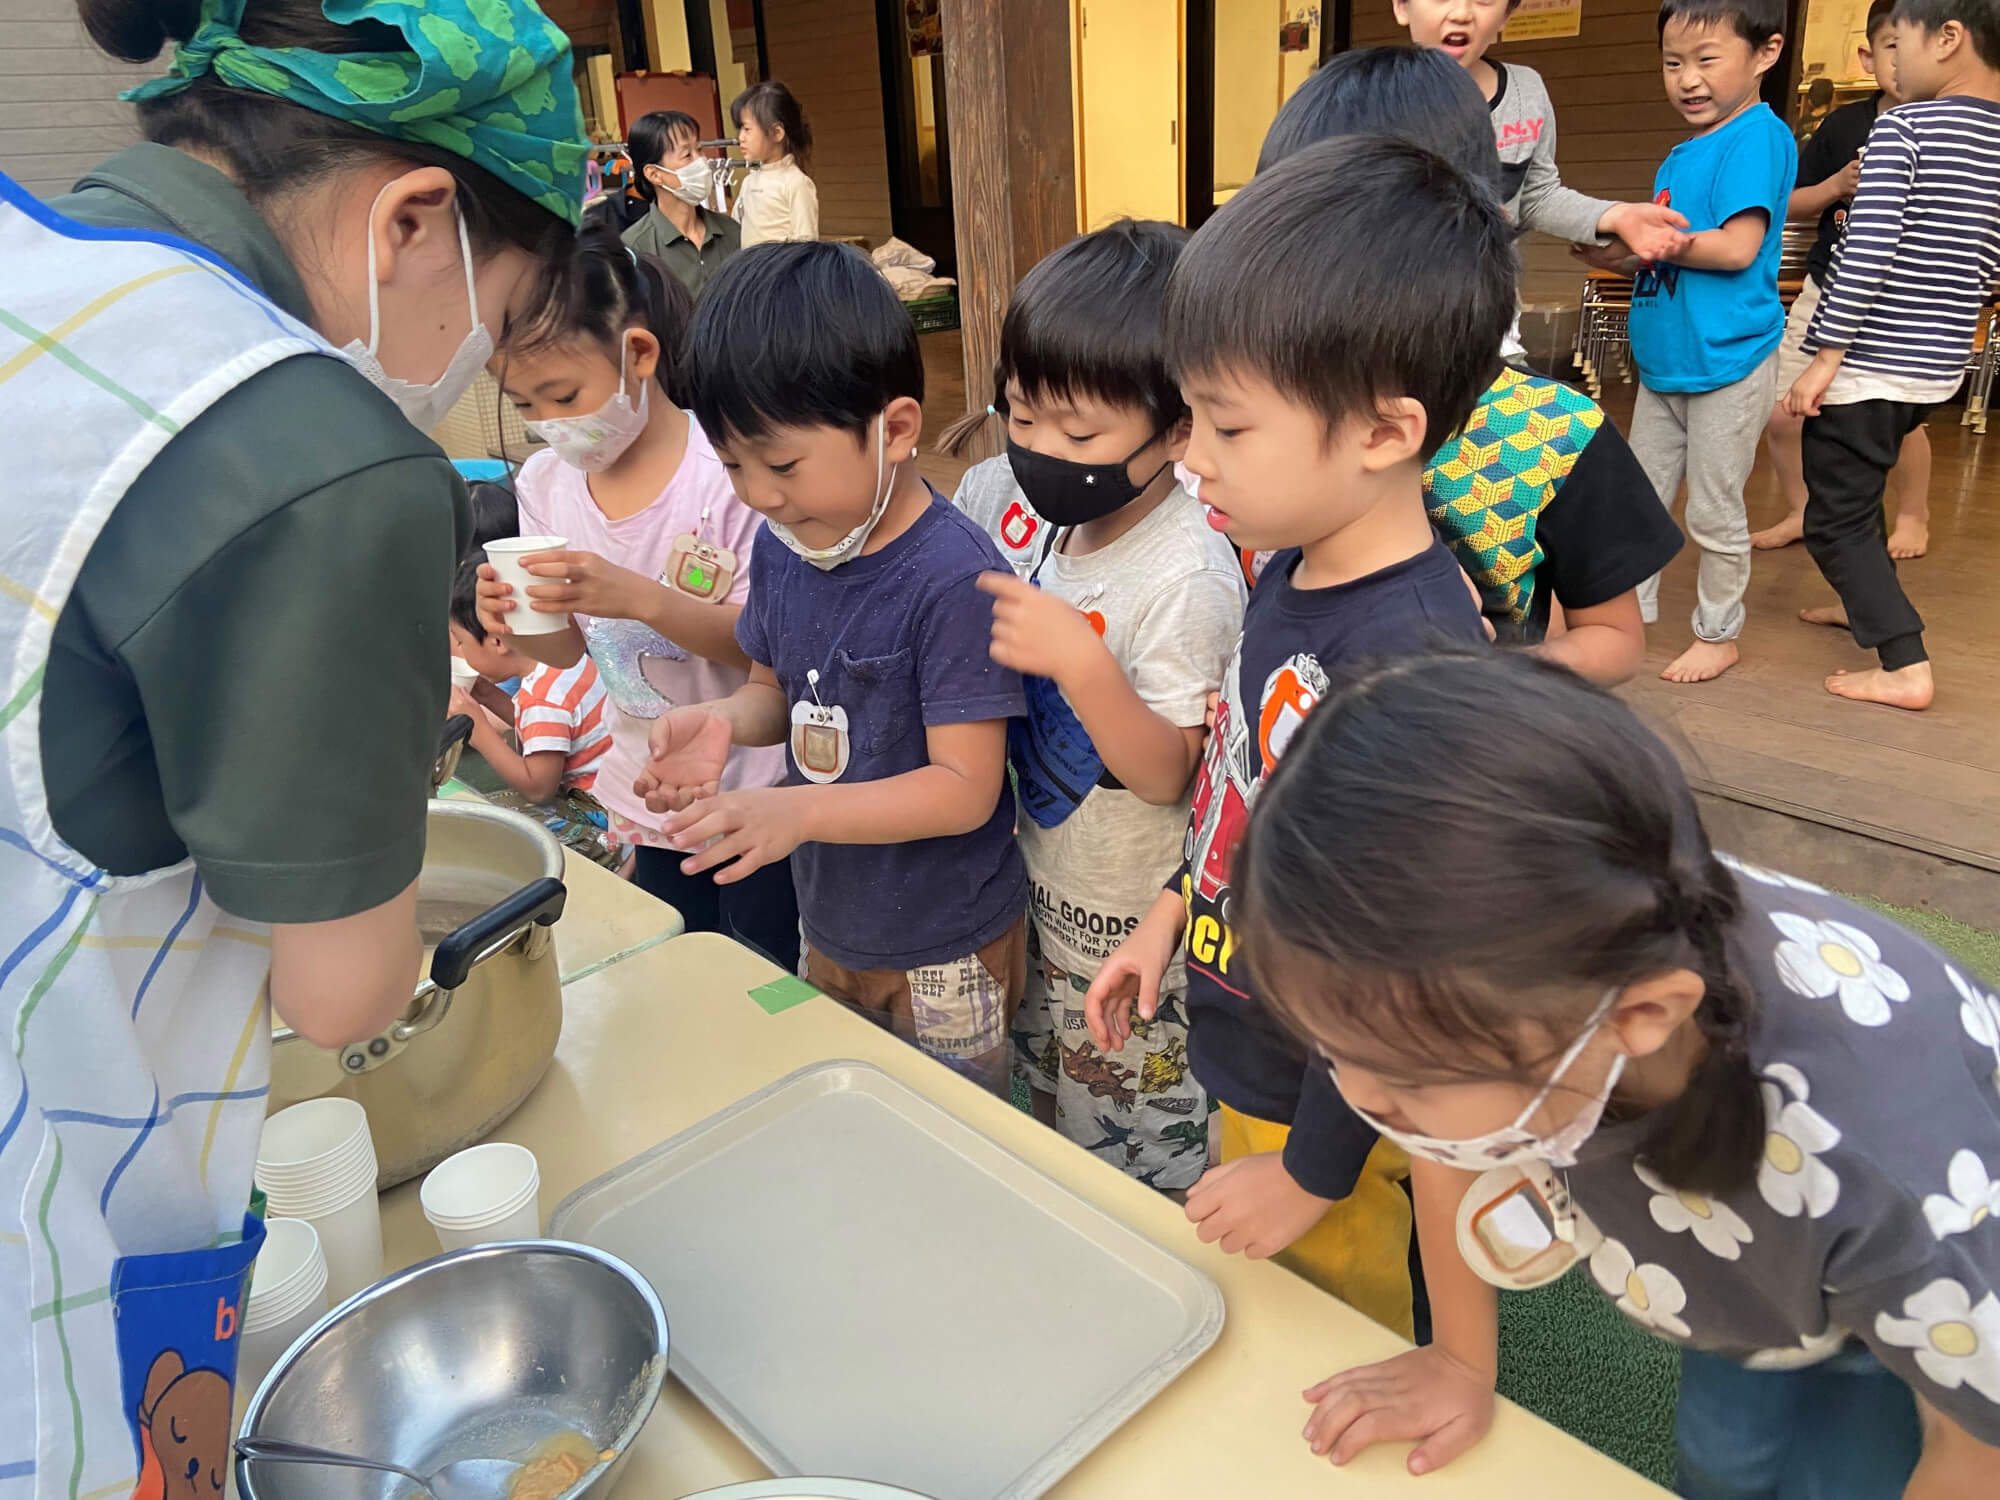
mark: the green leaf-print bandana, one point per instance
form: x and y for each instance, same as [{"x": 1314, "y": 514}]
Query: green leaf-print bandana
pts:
[{"x": 488, "y": 80}]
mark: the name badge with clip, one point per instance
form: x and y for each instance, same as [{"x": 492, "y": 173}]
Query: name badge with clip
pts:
[
  {"x": 701, "y": 570},
  {"x": 820, "y": 746}
]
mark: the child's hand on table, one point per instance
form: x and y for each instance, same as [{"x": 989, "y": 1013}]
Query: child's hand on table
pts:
[
  {"x": 1034, "y": 631},
  {"x": 1423, "y": 1396},
  {"x": 754, "y": 827},
  {"x": 690, "y": 747},
  {"x": 1252, "y": 1206}
]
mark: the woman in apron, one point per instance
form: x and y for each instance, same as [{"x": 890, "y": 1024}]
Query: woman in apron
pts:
[{"x": 224, "y": 576}]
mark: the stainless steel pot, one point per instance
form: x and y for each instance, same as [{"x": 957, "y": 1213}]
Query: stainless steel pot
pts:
[{"x": 482, "y": 1027}]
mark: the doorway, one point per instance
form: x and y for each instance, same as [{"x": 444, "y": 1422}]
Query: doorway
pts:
[
  {"x": 1129, "y": 91},
  {"x": 918, "y": 128}
]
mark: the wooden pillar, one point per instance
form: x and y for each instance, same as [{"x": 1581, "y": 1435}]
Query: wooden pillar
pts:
[{"x": 1013, "y": 158}]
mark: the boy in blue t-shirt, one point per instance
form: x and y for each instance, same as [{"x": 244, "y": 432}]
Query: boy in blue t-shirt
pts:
[
  {"x": 1706, "y": 322},
  {"x": 868, "y": 636}
]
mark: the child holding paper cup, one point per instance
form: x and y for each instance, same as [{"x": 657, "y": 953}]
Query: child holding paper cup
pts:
[{"x": 634, "y": 549}]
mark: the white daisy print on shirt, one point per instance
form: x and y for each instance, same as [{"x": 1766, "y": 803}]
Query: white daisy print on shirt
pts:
[
  {"x": 1957, "y": 1340},
  {"x": 1974, "y": 1197},
  {"x": 1818, "y": 959},
  {"x": 1769, "y": 877},
  {"x": 1811, "y": 1349},
  {"x": 1792, "y": 1178},
  {"x": 1978, "y": 1011},
  {"x": 1649, "y": 1295},
  {"x": 1716, "y": 1227}
]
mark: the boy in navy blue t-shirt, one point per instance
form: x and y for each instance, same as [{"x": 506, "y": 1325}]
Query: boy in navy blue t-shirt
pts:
[
  {"x": 1706, "y": 323},
  {"x": 868, "y": 643},
  {"x": 1320, "y": 325}
]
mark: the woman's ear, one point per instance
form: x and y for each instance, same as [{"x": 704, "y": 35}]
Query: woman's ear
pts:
[{"x": 414, "y": 222}]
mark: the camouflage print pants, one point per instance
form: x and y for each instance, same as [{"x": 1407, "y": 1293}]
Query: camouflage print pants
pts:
[{"x": 1138, "y": 1108}]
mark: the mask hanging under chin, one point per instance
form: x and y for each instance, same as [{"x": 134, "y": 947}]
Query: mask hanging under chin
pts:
[
  {"x": 424, "y": 406},
  {"x": 826, "y": 559}
]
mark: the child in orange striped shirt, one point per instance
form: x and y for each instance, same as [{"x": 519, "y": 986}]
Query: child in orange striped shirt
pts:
[{"x": 558, "y": 712}]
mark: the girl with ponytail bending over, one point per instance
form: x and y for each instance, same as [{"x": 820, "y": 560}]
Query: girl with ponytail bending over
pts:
[{"x": 1764, "y": 1118}]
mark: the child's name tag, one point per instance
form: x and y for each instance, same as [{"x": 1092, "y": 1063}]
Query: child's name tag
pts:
[
  {"x": 1519, "y": 1230},
  {"x": 701, "y": 570},
  {"x": 819, "y": 741}
]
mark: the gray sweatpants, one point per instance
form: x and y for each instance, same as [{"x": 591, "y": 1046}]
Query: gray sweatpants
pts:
[{"x": 1710, "y": 439}]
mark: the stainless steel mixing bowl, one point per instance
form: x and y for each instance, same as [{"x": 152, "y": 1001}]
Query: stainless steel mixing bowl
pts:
[{"x": 492, "y": 1352}]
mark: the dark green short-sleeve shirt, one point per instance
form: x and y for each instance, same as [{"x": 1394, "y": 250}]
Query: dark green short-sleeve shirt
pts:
[
  {"x": 694, "y": 264},
  {"x": 251, "y": 669}
]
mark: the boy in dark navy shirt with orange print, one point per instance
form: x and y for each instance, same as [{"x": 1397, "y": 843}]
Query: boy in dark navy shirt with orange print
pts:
[
  {"x": 868, "y": 641},
  {"x": 1319, "y": 326}
]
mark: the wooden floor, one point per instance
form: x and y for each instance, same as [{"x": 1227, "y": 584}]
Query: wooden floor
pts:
[
  {"x": 1767, "y": 739},
  {"x": 1767, "y": 733}
]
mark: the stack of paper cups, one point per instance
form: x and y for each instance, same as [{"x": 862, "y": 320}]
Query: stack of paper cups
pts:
[
  {"x": 316, "y": 1162},
  {"x": 507, "y": 557},
  {"x": 287, "y": 1296},
  {"x": 486, "y": 1194}
]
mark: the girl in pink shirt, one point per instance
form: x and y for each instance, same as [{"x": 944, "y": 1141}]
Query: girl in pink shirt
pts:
[{"x": 657, "y": 564}]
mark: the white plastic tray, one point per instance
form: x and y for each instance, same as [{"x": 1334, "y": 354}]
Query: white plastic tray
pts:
[{"x": 861, "y": 1284}]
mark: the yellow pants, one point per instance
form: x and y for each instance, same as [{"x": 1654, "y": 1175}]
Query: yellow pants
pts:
[{"x": 1360, "y": 1251}]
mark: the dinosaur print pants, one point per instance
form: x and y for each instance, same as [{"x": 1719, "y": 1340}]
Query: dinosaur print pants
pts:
[{"x": 1139, "y": 1107}]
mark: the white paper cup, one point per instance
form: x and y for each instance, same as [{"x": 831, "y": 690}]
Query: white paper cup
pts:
[
  {"x": 463, "y": 674},
  {"x": 287, "y": 1296},
  {"x": 350, "y": 1237},
  {"x": 506, "y": 555},
  {"x": 484, "y": 1194}
]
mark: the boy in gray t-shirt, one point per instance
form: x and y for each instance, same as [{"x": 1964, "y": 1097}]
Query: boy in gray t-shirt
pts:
[{"x": 1121, "y": 610}]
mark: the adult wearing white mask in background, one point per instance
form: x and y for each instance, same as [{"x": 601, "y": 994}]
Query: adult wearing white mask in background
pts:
[
  {"x": 686, "y": 237},
  {"x": 224, "y": 579}
]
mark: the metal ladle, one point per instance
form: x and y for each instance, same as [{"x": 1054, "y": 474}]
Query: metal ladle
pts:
[{"x": 468, "y": 1479}]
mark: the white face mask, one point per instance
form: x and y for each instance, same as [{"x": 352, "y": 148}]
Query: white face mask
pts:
[
  {"x": 828, "y": 558},
  {"x": 424, "y": 405},
  {"x": 595, "y": 442},
  {"x": 1515, "y": 1145},
  {"x": 696, "y": 178}
]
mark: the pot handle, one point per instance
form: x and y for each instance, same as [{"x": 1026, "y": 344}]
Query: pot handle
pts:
[{"x": 537, "y": 904}]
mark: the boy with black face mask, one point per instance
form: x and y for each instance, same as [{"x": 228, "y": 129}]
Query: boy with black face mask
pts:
[{"x": 1120, "y": 613}]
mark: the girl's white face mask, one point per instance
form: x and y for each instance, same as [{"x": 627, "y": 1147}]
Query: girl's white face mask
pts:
[
  {"x": 1515, "y": 1145},
  {"x": 826, "y": 559},
  {"x": 423, "y": 405},
  {"x": 595, "y": 442}
]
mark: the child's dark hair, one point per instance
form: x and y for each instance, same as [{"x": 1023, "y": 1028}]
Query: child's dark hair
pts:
[
  {"x": 1880, "y": 14},
  {"x": 495, "y": 514},
  {"x": 1417, "y": 93},
  {"x": 1354, "y": 272},
  {"x": 1980, "y": 18},
  {"x": 1459, "y": 842},
  {"x": 599, "y": 289},
  {"x": 1089, "y": 321},
  {"x": 1756, "y": 21},
  {"x": 799, "y": 334},
  {"x": 465, "y": 598},
  {"x": 651, "y": 138},
  {"x": 270, "y": 146},
  {"x": 775, "y": 110}
]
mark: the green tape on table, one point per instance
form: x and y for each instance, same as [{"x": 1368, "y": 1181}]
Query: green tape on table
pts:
[{"x": 783, "y": 994}]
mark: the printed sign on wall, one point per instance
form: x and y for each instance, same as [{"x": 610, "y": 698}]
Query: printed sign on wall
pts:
[{"x": 1537, "y": 20}]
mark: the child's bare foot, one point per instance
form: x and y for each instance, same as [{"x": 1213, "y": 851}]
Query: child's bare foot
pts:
[
  {"x": 1910, "y": 538},
  {"x": 1704, "y": 661},
  {"x": 1907, "y": 687},
  {"x": 1825, "y": 614},
  {"x": 1787, "y": 531}
]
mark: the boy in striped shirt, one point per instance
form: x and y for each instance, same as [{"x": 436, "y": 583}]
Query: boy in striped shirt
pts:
[
  {"x": 558, "y": 712},
  {"x": 1920, "y": 254}
]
